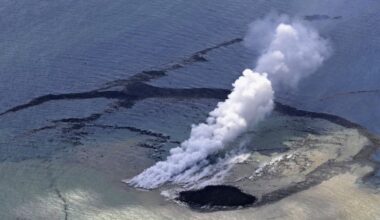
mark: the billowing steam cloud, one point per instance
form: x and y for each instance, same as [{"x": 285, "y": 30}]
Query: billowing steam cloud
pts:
[
  {"x": 290, "y": 51},
  {"x": 249, "y": 102}
]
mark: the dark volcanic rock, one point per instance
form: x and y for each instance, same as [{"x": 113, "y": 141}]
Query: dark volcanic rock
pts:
[{"x": 216, "y": 198}]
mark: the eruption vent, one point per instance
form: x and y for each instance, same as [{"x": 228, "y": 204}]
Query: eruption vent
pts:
[{"x": 290, "y": 51}]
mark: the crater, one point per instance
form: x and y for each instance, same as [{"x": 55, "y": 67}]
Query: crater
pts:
[{"x": 216, "y": 197}]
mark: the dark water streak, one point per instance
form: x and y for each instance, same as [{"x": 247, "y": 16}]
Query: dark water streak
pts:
[{"x": 127, "y": 92}]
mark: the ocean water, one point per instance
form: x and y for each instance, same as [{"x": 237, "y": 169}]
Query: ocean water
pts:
[{"x": 65, "y": 146}]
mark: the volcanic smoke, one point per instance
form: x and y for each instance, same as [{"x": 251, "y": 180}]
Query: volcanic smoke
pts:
[{"x": 290, "y": 50}]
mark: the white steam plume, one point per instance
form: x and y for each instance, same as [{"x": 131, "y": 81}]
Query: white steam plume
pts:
[
  {"x": 249, "y": 102},
  {"x": 290, "y": 51}
]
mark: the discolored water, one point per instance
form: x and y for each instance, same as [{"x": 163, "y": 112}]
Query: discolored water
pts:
[{"x": 94, "y": 92}]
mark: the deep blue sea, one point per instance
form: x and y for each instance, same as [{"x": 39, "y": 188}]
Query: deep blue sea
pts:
[{"x": 79, "y": 79}]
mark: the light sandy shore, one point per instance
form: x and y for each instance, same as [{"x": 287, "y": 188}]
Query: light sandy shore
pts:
[{"x": 86, "y": 183}]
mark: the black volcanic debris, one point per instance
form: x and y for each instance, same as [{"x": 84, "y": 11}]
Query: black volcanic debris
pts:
[
  {"x": 218, "y": 197},
  {"x": 291, "y": 111},
  {"x": 157, "y": 135},
  {"x": 322, "y": 173},
  {"x": 342, "y": 94},
  {"x": 73, "y": 131},
  {"x": 90, "y": 118},
  {"x": 318, "y": 17},
  {"x": 213, "y": 198},
  {"x": 134, "y": 87},
  {"x": 148, "y": 75},
  {"x": 68, "y": 96},
  {"x": 269, "y": 151},
  {"x": 126, "y": 92}
]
